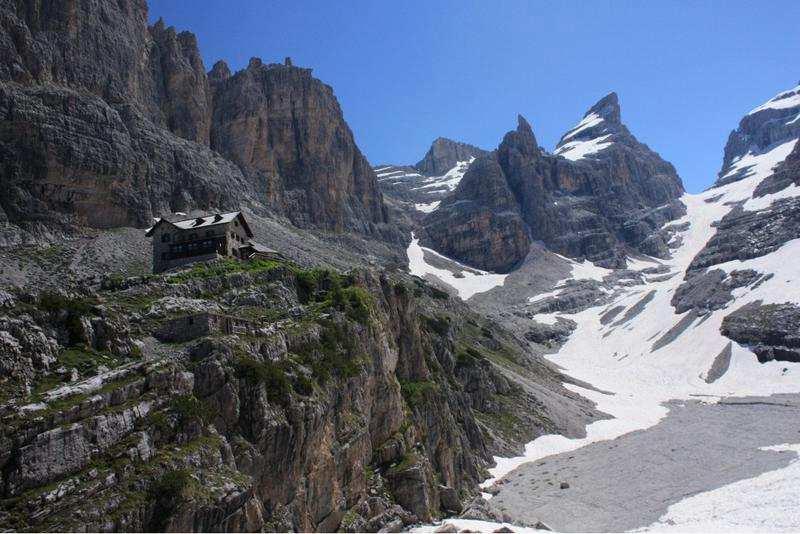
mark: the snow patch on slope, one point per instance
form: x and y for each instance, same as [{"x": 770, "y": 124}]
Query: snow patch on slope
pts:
[
  {"x": 758, "y": 165},
  {"x": 767, "y": 502},
  {"x": 449, "y": 180},
  {"x": 584, "y": 270},
  {"x": 619, "y": 356},
  {"x": 427, "y": 208},
  {"x": 469, "y": 281},
  {"x": 784, "y": 100},
  {"x": 575, "y": 150},
  {"x": 589, "y": 121}
]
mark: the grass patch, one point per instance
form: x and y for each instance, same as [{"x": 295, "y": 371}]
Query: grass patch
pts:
[
  {"x": 86, "y": 360},
  {"x": 439, "y": 324},
  {"x": 335, "y": 354},
  {"x": 414, "y": 392},
  {"x": 271, "y": 374},
  {"x": 168, "y": 492},
  {"x": 468, "y": 357},
  {"x": 202, "y": 271}
]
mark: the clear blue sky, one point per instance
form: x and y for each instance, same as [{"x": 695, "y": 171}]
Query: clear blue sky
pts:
[{"x": 407, "y": 72}]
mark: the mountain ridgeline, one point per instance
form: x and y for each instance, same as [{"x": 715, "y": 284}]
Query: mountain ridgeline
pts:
[
  {"x": 599, "y": 194},
  {"x": 110, "y": 122}
]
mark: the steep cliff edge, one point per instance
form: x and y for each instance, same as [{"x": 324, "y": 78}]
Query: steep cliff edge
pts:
[
  {"x": 599, "y": 193},
  {"x": 258, "y": 396},
  {"x": 286, "y": 131}
]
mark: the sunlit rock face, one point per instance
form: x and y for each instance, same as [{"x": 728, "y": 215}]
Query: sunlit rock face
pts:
[{"x": 598, "y": 193}]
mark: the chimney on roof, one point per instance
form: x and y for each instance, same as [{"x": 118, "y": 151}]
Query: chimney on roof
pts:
[{"x": 287, "y": 62}]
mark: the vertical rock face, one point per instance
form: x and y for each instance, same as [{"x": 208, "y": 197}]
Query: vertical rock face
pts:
[
  {"x": 444, "y": 154},
  {"x": 379, "y": 413},
  {"x": 599, "y": 193},
  {"x": 182, "y": 90},
  {"x": 285, "y": 129},
  {"x": 485, "y": 228},
  {"x": 108, "y": 122}
]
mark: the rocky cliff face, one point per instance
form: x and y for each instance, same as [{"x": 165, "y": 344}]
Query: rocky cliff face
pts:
[
  {"x": 481, "y": 224},
  {"x": 285, "y": 130},
  {"x": 766, "y": 126},
  {"x": 599, "y": 193},
  {"x": 763, "y": 153},
  {"x": 359, "y": 402},
  {"x": 444, "y": 154},
  {"x": 108, "y": 122}
]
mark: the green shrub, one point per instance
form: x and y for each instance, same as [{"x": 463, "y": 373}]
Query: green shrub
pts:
[
  {"x": 167, "y": 493},
  {"x": 159, "y": 421},
  {"x": 269, "y": 373},
  {"x": 439, "y": 324},
  {"x": 335, "y": 354},
  {"x": 74, "y": 308},
  {"x": 468, "y": 357},
  {"x": 415, "y": 392},
  {"x": 303, "y": 385},
  {"x": 357, "y": 304},
  {"x": 188, "y": 407}
]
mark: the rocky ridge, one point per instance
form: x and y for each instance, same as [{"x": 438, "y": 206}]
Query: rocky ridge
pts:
[
  {"x": 444, "y": 154},
  {"x": 419, "y": 189},
  {"x": 118, "y": 128},
  {"x": 592, "y": 203}
]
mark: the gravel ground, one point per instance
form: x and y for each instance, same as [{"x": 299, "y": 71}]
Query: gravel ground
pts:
[{"x": 629, "y": 482}]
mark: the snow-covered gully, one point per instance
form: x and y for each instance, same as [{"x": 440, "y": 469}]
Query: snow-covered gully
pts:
[{"x": 649, "y": 355}]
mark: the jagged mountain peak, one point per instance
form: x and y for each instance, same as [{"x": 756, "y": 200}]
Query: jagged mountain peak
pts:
[
  {"x": 523, "y": 126},
  {"x": 521, "y": 141},
  {"x": 645, "y": 189},
  {"x": 607, "y": 108},
  {"x": 595, "y": 132}
]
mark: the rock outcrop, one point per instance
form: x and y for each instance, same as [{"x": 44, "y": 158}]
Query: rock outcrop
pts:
[
  {"x": 285, "y": 129},
  {"x": 771, "y": 331},
  {"x": 786, "y": 174},
  {"x": 444, "y": 154},
  {"x": 766, "y": 126},
  {"x": 360, "y": 402},
  {"x": 744, "y": 234},
  {"x": 109, "y": 122},
  {"x": 765, "y": 146},
  {"x": 480, "y": 224},
  {"x": 600, "y": 192},
  {"x": 418, "y": 190}
]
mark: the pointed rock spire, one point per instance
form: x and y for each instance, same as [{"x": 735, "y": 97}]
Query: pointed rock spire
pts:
[
  {"x": 607, "y": 108},
  {"x": 525, "y": 131},
  {"x": 598, "y": 129},
  {"x": 519, "y": 143}
]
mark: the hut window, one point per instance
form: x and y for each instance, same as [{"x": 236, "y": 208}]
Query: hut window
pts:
[{"x": 165, "y": 238}]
